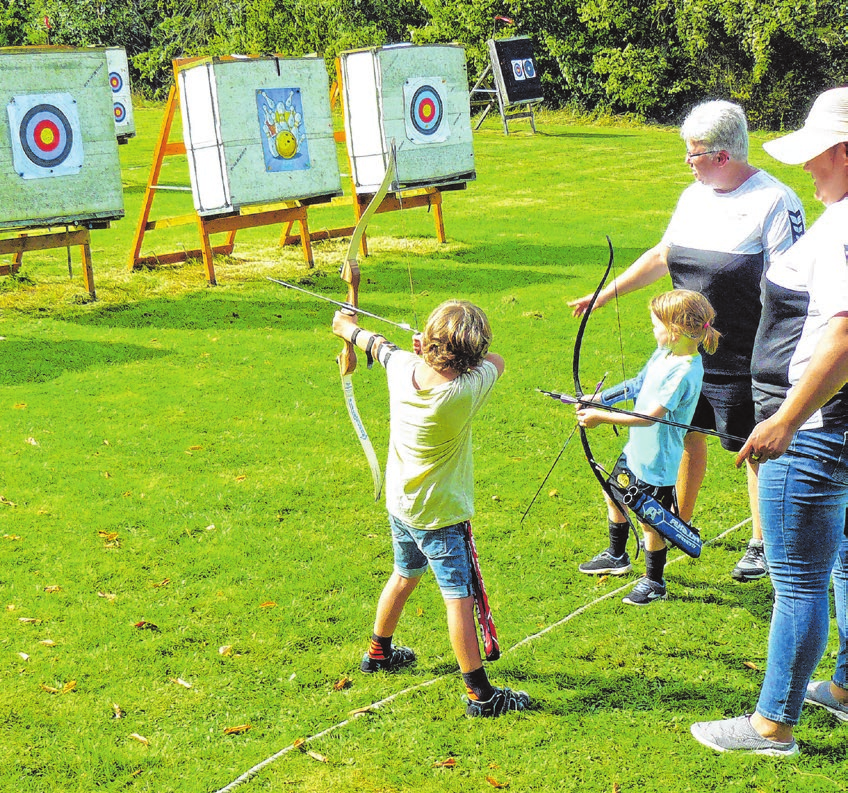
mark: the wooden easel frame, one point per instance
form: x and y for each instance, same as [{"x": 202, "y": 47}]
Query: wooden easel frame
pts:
[
  {"x": 26, "y": 242},
  {"x": 229, "y": 224}
]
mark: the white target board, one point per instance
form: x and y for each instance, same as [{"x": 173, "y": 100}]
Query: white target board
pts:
[
  {"x": 58, "y": 154},
  {"x": 119, "y": 87},
  {"x": 415, "y": 97},
  {"x": 258, "y": 131}
]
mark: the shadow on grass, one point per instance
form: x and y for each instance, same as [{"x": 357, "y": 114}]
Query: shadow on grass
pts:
[
  {"x": 756, "y": 597},
  {"x": 456, "y": 272},
  {"x": 27, "y": 360}
]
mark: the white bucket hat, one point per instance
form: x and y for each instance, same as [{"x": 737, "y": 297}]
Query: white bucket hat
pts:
[{"x": 826, "y": 125}]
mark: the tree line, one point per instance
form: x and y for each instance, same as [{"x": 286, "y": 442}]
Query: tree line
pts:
[{"x": 649, "y": 58}]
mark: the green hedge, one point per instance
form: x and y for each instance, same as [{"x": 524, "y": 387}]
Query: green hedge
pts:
[{"x": 649, "y": 58}]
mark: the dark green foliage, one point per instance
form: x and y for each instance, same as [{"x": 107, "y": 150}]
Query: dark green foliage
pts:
[
  {"x": 650, "y": 58},
  {"x": 13, "y": 16}
]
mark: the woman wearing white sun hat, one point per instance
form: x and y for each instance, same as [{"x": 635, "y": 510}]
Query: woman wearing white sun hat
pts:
[{"x": 800, "y": 370}]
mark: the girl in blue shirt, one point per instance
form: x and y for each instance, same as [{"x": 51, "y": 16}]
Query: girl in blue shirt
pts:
[{"x": 667, "y": 388}]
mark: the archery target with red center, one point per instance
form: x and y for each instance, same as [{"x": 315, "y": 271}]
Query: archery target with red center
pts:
[
  {"x": 116, "y": 82},
  {"x": 426, "y": 110},
  {"x": 425, "y": 113},
  {"x": 518, "y": 70},
  {"x": 46, "y": 135},
  {"x": 120, "y": 112}
]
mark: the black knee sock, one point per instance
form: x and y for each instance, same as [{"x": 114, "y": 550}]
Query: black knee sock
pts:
[
  {"x": 655, "y": 564},
  {"x": 618, "y": 533},
  {"x": 477, "y": 684},
  {"x": 381, "y": 647}
]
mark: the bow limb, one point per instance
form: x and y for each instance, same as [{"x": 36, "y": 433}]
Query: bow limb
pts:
[
  {"x": 347, "y": 357},
  {"x": 597, "y": 470}
]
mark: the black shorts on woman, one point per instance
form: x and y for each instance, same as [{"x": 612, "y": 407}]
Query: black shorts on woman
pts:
[{"x": 726, "y": 405}]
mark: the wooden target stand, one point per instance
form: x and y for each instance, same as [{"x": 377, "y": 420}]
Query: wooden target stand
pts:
[
  {"x": 42, "y": 241},
  {"x": 290, "y": 212},
  {"x": 430, "y": 197}
]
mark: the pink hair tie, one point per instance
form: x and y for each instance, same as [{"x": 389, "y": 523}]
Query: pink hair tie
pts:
[{"x": 706, "y": 326}]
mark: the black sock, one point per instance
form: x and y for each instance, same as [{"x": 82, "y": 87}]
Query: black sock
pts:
[
  {"x": 618, "y": 533},
  {"x": 381, "y": 647},
  {"x": 477, "y": 684},
  {"x": 655, "y": 564}
]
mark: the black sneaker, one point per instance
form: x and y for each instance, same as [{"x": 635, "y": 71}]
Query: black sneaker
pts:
[
  {"x": 607, "y": 564},
  {"x": 400, "y": 657},
  {"x": 645, "y": 593},
  {"x": 502, "y": 701},
  {"x": 752, "y": 565}
]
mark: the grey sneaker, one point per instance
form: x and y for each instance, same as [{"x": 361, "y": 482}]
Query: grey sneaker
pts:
[
  {"x": 738, "y": 735},
  {"x": 818, "y": 693},
  {"x": 753, "y": 564},
  {"x": 400, "y": 657},
  {"x": 606, "y": 564},
  {"x": 502, "y": 701},
  {"x": 645, "y": 592}
]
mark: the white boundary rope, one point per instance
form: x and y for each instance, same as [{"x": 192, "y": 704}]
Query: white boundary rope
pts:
[{"x": 252, "y": 772}]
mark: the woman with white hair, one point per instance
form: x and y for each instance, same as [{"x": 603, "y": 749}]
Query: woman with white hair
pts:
[{"x": 800, "y": 371}]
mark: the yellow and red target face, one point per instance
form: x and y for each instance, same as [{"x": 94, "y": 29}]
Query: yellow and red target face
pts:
[
  {"x": 46, "y": 135},
  {"x": 426, "y": 110}
]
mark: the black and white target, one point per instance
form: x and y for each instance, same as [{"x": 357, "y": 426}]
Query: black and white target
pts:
[
  {"x": 425, "y": 110},
  {"x": 515, "y": 70},
  {"x": 46, "y": 135}
]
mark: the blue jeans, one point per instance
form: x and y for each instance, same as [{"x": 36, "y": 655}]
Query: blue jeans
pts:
[
  {"x": 803, "y": 508},
  {"x": 444, "y": 550}
]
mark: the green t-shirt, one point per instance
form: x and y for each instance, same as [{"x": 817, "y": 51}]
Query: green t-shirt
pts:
[{"x": 430, "y": 469}]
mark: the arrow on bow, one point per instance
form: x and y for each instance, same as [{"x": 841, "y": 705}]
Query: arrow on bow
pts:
[
  {"x": 570, "y": 400},
  {"x": 347, "y": 357}
]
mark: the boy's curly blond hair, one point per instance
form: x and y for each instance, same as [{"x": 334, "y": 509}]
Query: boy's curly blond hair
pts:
[{"x": 457, "y": 336}]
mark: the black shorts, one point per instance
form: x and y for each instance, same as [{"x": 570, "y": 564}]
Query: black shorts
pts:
[
  {"x": 622, "y": 477},
  {"x": 726, "y": 404}
]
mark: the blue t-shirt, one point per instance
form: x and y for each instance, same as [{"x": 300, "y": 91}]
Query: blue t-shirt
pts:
[{"x": 673, "y": 381}]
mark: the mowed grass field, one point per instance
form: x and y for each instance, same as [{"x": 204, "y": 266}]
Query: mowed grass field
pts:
[{"x": 190, "y": 552}]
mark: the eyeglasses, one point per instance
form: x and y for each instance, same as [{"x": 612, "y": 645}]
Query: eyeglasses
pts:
[{"x": 693, "y": 155}]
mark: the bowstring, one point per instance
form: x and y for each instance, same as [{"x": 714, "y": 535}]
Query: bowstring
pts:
[
  {"x": 407, "y": 257},
  {"x": 620, "y": 333}
]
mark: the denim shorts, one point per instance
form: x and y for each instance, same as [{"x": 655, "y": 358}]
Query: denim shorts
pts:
[{"x": 445, "y": 551}]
